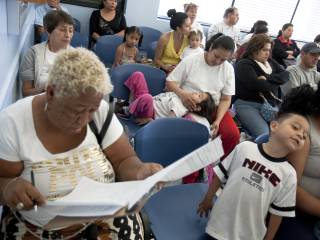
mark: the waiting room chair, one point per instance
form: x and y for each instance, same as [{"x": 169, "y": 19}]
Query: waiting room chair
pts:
[
  {"x": 155, "y": 80},
  {"x": 166, "y": 140},
  {"x": 263, "y": 138},
  {"x": 172, "y": 211},
  {"x": 106, "y": 47},
  {"x": 77, "y": 25},
  {"x": 152, "y": 49},
  {"x": 78, "y": 40},
  {"x": 150, "y": 35}
]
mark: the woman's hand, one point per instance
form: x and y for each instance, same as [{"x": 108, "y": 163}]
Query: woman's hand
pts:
[
  {"x": 205, "y": 207},
  {"x": 168, "y": 67},
  {"x": 189, "y": 101},
  {"x": 147, "y": 169},
  {"x": 21, "y": 191},
  {"x": 215, "y": 128}
]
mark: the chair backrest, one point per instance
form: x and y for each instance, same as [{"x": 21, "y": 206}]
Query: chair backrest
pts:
[
  {"x": 151, "y": 50},
  {"x": 155, "y": 79},
  {"x": 77, "y": 25},
  {"x": 106, "y": 47},
  {"x": 149, "y": 35},
  {"x": 78, "y": 40},
  {"x": 166, "y": 140},
  {"x": 263, "y": 138}
]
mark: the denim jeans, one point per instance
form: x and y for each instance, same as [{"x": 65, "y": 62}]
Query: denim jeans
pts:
[{"x": 249, "y": 115}]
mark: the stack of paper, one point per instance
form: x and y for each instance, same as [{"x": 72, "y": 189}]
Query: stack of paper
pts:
[{"x": 94, "y": 199}]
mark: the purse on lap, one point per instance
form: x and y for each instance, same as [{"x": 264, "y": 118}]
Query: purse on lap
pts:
[{"x": 267, "y": 110}]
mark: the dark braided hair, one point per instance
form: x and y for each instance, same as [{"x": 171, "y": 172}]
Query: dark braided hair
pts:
[{"x": 303, "y": 100}]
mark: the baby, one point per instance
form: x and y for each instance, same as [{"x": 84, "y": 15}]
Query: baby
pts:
[{"x": 195, "y": 38}]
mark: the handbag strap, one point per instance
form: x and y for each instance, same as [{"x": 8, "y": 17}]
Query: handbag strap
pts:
[
  {"x": 272, "y": 95},
  {"x": 105, "y": 125}
]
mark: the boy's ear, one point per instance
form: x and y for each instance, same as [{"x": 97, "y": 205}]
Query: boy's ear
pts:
[{"x": 273, "y": 125}]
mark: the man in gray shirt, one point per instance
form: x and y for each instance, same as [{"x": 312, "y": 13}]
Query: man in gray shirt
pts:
[{"x": 305, "y": 71}]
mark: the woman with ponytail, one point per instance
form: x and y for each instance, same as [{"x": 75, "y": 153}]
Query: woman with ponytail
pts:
[
  {"x": 307, "y": 164},
  {"x": 171, "y": 44}
]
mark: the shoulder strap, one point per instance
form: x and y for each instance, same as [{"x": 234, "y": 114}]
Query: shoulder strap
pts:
[{"x": 105, "y": 126}]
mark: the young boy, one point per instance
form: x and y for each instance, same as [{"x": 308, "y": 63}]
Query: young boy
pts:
[
  {"x": 195, "y": 38},
  {"x": 258, "y": 179}
]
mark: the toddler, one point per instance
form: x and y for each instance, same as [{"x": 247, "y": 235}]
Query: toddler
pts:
[
  {"x": 127, "y": 52},
  {"x": 195, "y": 38}
]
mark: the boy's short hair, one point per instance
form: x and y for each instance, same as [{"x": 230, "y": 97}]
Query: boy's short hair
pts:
[
  {"x": 54, "y": 18},
  {"x": 195, "y": 32},
  {"x": 303, "y": 100},
  {"x": 207, "y": 108}
]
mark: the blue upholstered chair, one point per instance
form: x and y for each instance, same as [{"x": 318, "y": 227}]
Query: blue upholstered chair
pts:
[
  {"x": 166, "y": 140},
  {"x": 172, "y": 211},
  {"x": 78, "y": 40},
  {"x": 150, "y": 35},
  {"x": 151, "y": 49},
  {"x": 106, "y": 47},
  {"x": 77, "y": 25},
  {"x": 263, "y": 138}
]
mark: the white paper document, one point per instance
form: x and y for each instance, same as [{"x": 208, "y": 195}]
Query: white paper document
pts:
[{"x": 94, "y": 199}]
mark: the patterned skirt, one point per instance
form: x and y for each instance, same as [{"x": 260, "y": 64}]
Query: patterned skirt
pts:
[{"x": 121, "y": 228}]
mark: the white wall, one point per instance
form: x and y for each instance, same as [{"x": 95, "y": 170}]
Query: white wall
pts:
[
  {"x": 82, "y": 14},
  {"x": 144, "y": 12},
  {"x": 12, "y": 47}
]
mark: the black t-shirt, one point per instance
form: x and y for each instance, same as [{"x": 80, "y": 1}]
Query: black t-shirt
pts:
[{"x": 103, "y": 27}]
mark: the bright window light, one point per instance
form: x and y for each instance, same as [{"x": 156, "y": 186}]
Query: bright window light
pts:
[
  {"x": 275, "y": 12},
  {"x": 306, "y": 21}
]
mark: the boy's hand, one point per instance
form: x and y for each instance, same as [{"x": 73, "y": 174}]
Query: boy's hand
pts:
[{"x": 205, "y": 207}]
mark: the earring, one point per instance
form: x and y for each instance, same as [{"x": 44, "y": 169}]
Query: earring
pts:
[{"x": 46, "y": 107}]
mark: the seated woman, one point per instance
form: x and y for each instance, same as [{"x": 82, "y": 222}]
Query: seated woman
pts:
[
  {"x": 171, "y": 44},
  {"x": 257, "y": 74},
  {"x": 38, "y": 60},
  {"x": 191, "y": 10},
  {"x": 40, "y": 11},
  {"x": 209, "y": 72},
  {"x": 285, "y": 50},
  {"x": 48, "y": 134},
  {"x": 307, "y": 165},
  {"x": 107, "y": 20}
]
